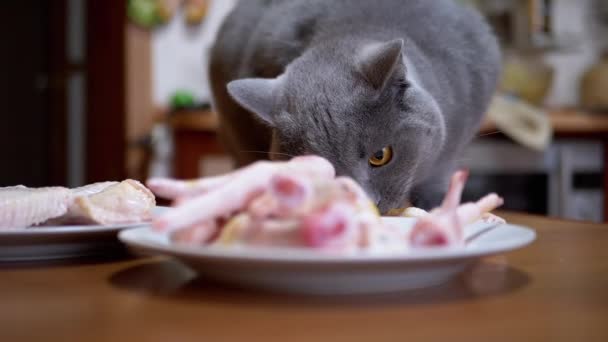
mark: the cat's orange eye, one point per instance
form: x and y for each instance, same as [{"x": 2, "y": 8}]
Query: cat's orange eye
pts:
[{"x": 381, "y": 157}]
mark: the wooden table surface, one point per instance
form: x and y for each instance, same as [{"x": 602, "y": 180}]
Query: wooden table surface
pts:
[{"x": 554, "y": 290}]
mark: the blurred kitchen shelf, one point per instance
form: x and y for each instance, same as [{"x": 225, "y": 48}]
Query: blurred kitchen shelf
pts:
[
  {"x": 564, "y": 121},
  {"x": 197, "y": 149},
  {"x": 568, "y": 122},
  {"x": 193, "y": 120},
  {"x": 580, "y": 141},
  {"x": 580, "y": 145}
]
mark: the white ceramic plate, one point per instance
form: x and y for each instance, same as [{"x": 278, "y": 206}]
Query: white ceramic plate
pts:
[
  {"x": 62, "y": 242},
  {"x": 306, "y": 271}
]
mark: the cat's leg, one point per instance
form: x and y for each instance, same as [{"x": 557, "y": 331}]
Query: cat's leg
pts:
[
  {"x": 429, "y": 194},
  {"x": 245, "y": 138},
  {"x": 427, "y": 197},
  {"x": 239, "y": 132}
]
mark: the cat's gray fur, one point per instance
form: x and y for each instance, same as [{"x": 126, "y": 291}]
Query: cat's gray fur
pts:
[{"x": 344, "y": 78}]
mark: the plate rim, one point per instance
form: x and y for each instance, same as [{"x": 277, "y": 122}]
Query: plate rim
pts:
[
  {"x": 79, "y": 228},
  {"x": 63, "y": 242},
  {"x": 269, "y": 254},
  {"x": 71, "y": 229}
]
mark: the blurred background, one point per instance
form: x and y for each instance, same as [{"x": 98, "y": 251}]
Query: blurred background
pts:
[{"x": 103, "y": 90}]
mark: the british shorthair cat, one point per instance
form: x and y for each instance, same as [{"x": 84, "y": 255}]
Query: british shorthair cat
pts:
[{"x": 390, "y": 91}]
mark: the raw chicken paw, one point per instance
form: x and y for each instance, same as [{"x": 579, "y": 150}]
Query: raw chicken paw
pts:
[{"x": 301, "y": 203}]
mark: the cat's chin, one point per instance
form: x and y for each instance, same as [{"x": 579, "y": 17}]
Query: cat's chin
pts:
[{"x": 395, "y": 210}]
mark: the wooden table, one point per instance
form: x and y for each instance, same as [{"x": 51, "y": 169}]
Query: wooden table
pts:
[{"x": 554, "y": 290}]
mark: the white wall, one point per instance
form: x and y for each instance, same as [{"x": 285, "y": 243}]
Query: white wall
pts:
[{"x": 179, "y": 53}]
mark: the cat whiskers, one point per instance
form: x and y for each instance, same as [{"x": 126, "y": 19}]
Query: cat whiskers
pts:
[
  {"x": 486, "y": 134},
  {"x": 460, "y": 161}
]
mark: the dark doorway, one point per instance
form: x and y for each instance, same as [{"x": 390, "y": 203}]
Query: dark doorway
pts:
[
  {"x": 62, "y": 86},
  {"x": 24, "y": 128}
]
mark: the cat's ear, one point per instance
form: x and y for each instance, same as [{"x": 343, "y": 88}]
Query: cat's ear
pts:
[
  {"x": 257, "y": 95},
  {"x": 378, "y": 61}
]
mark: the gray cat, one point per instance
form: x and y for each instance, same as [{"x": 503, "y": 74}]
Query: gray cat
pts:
[{"x": 390, "y": 91}]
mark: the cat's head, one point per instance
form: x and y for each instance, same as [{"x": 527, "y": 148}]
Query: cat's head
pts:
[{"x": 361, "y": 109}]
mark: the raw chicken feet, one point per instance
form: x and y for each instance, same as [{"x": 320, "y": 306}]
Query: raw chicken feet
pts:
[
  {"x": 443, "y": 226},
  {"x": 208, "y": 198},
  {"x": 300, "y": 203}
]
